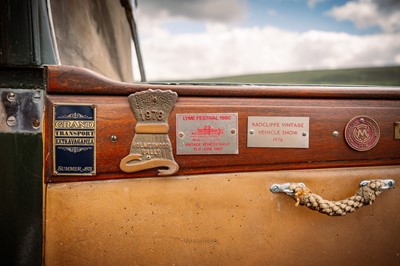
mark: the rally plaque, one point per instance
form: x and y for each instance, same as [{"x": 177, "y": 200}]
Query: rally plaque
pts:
[
  {"x": 151, "y": 146},
  {"x": 207, "y": 133},
  {"x": 74, "y": 139},
  {"x": 278, "y": 132}
]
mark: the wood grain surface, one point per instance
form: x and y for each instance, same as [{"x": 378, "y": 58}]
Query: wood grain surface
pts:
[
  {"x": 75, "y": 80},
  {"x": 114, "y": 117}
]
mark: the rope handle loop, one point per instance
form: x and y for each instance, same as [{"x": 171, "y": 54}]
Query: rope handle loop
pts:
[{"x": 365, "y": 195}]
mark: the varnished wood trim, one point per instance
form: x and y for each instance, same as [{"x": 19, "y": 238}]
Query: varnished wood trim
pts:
[
  {"x": 114, "y": 117},
  {"x": 75, "y": 80}
]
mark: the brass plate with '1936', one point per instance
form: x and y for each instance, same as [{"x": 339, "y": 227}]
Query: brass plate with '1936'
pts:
[{"x": 278, "y": 132}]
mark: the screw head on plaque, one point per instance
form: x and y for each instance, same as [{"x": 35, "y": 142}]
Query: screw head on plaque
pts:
[{"x": 151, "y": 146}]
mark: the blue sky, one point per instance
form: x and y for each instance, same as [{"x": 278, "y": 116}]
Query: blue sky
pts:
[
  {"x": 206, "y": 38},
  {"x": 294, "y": 15},
  {"x": 297, "y": 15}
]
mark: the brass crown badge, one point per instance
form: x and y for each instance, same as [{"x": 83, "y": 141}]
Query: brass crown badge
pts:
[{"x": 151, "y": 147}]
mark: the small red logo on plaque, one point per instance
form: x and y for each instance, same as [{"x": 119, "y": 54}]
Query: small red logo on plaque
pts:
[
  {"x": 362, "y": 133},
  {"x": 208, "y": 131}
]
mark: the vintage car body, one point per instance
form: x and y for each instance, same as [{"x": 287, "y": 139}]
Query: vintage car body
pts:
[{"x": 219, "y": 207}]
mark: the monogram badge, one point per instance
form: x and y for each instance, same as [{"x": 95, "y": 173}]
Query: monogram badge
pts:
[
  {"x": 362, "y": 133},
  {"x": 151, "y": 147}
]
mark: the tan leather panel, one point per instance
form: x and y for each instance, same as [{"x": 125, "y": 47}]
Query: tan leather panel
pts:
[{"x": 226, "y": 219}]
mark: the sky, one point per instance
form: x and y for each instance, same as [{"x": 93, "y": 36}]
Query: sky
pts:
[{"x": 189, "y": 39}]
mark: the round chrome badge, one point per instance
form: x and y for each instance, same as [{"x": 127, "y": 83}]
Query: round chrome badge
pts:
[{"x": 362, "y": 133}]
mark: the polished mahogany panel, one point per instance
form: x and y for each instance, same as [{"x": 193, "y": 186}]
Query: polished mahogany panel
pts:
[
  {"x": 75, "y": 80},
  {"x": 116, "y": 128},
  {"x": 327, "y": 110}
]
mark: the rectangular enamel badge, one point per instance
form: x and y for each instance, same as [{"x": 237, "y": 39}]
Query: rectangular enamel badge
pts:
[
  {"x": 278, "y": 132},
  {"x": 207, "y": 133},
  {"x": 74, "y": 139}
]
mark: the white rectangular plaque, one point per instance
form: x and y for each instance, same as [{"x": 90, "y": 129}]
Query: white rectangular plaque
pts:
[
  {"x": 278, "y": 132},
  {"x": 207, "y": 133}
]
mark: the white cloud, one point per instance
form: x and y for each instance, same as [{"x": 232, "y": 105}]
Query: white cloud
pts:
[
  {"x": 397, "y": 59},
  {"x": 221, "y": 51},
  {"x": 366, "y": 13}
]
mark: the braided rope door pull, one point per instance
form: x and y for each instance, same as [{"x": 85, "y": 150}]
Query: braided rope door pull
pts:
[{"x": 365, "y": 195}]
